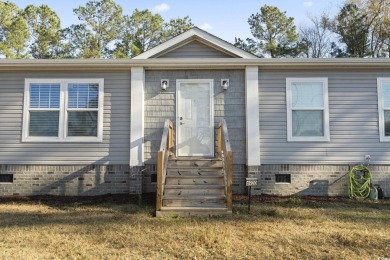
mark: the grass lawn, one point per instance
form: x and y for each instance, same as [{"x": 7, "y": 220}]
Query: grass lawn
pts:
[{"x": 121, "y": 228}]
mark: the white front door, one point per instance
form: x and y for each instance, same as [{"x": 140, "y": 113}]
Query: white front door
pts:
[{"x": 194, "y": 118}]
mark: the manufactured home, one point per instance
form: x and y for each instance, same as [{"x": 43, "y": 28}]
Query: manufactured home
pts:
[{"x": 191, "y": 119}]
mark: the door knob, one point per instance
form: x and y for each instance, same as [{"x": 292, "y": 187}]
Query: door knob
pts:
[{"x": 181, "y": 118}]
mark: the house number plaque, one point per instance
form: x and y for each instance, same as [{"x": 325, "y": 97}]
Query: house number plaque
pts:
[{"x": 251, "y": 182}]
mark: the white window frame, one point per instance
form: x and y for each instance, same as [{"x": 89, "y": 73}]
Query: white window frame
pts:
[
  {"x": 381, "y": 109},
  {"x": 325, "y": 109},
  {"x": 63, "y": 123}
]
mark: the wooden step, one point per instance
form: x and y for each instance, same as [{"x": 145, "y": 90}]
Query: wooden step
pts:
[
  {"x": 210, "y": 163},
  {"x": 193, "y": 192},
  {"x": 195, "y": 172},
  {"x": 196, "y": 197},
  {"x": 191, "y": 211},
  {"x": 193, "y": 158},
  {"x": 195, "y": 180},
  {"x": 191, "y": 186},
  {"x": 194, "y": 186},
  {"x": 208, "y": 201}
]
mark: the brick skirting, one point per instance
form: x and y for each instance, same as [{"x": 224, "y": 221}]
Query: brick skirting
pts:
[
  {"x": 90, "y": 180},
  {"x": 71, "y": 180},
  {"x": 316, "y": 180}
]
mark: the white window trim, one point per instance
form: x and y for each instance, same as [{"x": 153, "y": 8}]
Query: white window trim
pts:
[
  {"x": 381, "y": 109},
  {"x": 326, "y": 137},
  {"x": 62, "y": 128}
]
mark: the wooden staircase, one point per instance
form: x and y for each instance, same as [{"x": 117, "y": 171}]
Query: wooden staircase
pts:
[{"x": 194, "y": 186}]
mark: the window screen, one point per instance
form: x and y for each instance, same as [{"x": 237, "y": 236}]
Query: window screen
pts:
[
  {"x": 83, "y": 103},
  {"x": 307, "y": 96},
  {"x": 307, "y": 109},
  {"x": 44, "y": 109}
]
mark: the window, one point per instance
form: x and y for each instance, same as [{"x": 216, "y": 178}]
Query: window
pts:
[
  {"x": 6, "y": 178},
  {"x": 153, "y": 178},
  {"x": 44, "y": 109},
  {"x": 383, "y": 85},
  {"x": 307, "y": 109},
  {"x": 282, "y": 178},
  {"x": 63, "y": 110}
]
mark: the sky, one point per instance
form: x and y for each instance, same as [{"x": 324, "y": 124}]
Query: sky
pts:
[{"x": 226, "y": 19}]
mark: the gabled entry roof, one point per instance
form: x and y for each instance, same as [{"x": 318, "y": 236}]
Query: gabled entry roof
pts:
[{"x": 195, "y": 43}]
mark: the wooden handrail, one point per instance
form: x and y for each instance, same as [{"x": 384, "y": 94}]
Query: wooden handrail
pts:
[
  {"x": 225, "y": 153},
  {"x": 162, "y": 160}
]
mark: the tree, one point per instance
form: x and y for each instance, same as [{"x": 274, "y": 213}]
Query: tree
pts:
[
  {"x": 175, "y": 27},
  {"x": 14, "y": 32},
  {"x": 274, "y": 30},
  {"x": 337, "y": 51},
  {"x": 45, "y": 29},
  {"x": 79, "y": 43},
  {"x": 103, "y": 22},
  {"x": 249, "y": 45},
  {"x": 363, "y": 26},
  {"x": 144, "y": 30},
  {"x": 379, "y": 12},
  {"x": 352, "y": 25},
  {"x": 317, "y": 36}
]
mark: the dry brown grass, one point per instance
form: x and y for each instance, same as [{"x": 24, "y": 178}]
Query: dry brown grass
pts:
[{"x": 277, "y": 229}]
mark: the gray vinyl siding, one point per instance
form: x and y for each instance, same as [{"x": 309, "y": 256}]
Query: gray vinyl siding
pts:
[
  {"x": 195, "y": 49},
  {"x": 353, "y": 120},
  {"x": 116, "y": 124},
  {"x": 160, "y": 105}
]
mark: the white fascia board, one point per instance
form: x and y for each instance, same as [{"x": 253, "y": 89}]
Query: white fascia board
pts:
[
  {"x": 126, "y": 64},
  {"x": 266, "y": 64},
  {"x": 196, "y": 32},
  {"x": 252, "y": 116},
  {"x": 137, "y": 116}
]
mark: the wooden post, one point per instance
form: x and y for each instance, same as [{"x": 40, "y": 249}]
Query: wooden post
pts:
[
  {"x": 219, "y": 140},
  {"x": 229, "y": 162},
  {"x": 162, "y": 161},
  {"x": 160, "y": 170},
  {"x": 170, "y": 139}
]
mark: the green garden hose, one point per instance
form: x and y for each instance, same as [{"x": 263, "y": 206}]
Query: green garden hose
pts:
[{"x": 359, "y": 185}]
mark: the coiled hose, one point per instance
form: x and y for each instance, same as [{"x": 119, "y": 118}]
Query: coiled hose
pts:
[{"x": 359, "y": 184}]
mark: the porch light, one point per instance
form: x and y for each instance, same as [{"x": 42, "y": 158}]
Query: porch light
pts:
[
  {"x": 164, "y": 84},
  {"x": 225, "y": 83}
]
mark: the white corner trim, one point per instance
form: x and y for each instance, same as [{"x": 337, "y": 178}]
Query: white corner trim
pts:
[
  {"x": 137, "y": 116},
  {"x": 252, "y": 116},
  {"x": 227, "y": 47}
]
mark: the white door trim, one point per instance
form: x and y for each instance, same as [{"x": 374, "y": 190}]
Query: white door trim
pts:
[{"x": 211, "y": 85}]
